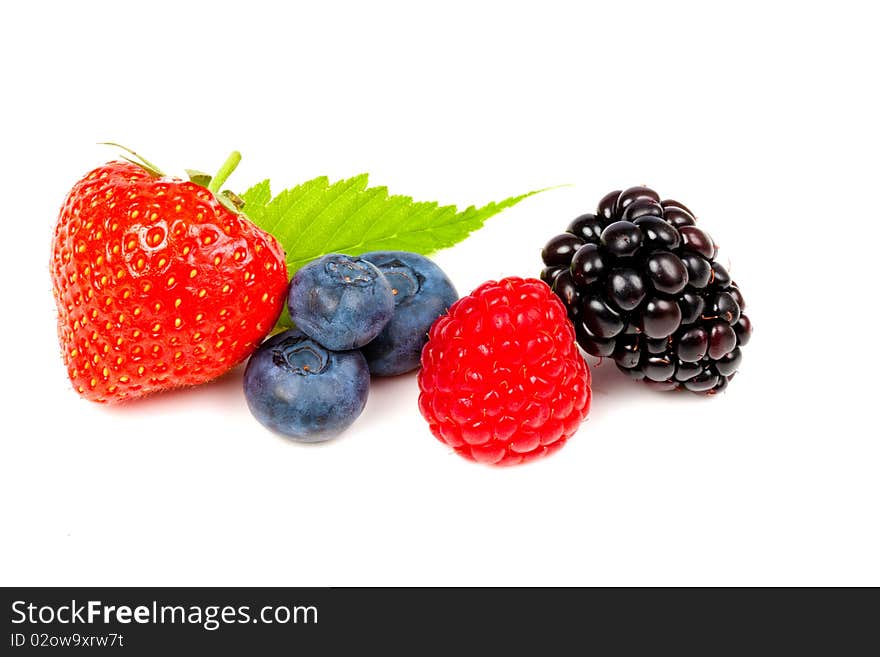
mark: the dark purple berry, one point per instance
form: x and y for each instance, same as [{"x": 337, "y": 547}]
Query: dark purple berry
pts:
[
  {"x": 666, "y": 272},
  {"x": 645, "y": 289},
  {"x": 605, "y": 210},
  {"x": 692, "y": 306},
  {"x": 661, "y": 386},
  {"x": 621, "y": 239},
  {"x": 635, "y": 374},
  {"x": 699, "y": 270},
  {"x": 723, "y": 306},
  {"x": 669, "y": 203},
  {"x": 565, "y": 288},
  {"x": 678, "y": 217},
  {"x": 743, "y": 330},
  {"x": 737, "y": 295},
  {"x": 720, "y": 277},
  {"x": 703, "y": 382},
  {"x": 695, "y": 240},
  {"x": 657, "y": 234},
  {"x": 692, "y": 344},
  {"x": 722, "y": 340},
  {"x": 599, "y": 318},
  {"x": 729, "y": 363},
  {"x": 549, "y": 274},
  {"x": 628, "y": 351},
  {"x": 656, "y": 345},
  {"x": 685, "y": 371},
  {"x": 661, "y": 317},
  {"x": 587, "y": 266},
  {"x": 559, "y": 250},
  {"x": 658, "y": 368},
  {"x": 642, "y": 207},
  {"x": 721, "y": 386},
  {"x": 632, "y": 194},
  {"x": 588, "y": 227},
  {"x": 625, "y": 288},
  {"x": 595, "y": 346}
]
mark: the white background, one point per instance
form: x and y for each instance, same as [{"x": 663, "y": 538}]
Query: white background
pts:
[{"x": 761, "y": 116}]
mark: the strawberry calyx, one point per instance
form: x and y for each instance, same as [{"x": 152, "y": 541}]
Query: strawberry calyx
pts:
[
  {"x": 226, "y": 198},
  {"x": 232, "y": 197},
  {"x": 224, "y": 172},
  {"x": 138, "y": 160},
  {"x": 198, "y": 177}
]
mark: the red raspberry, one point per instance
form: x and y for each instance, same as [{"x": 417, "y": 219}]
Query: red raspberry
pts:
[{"x": 502, "y": 380}]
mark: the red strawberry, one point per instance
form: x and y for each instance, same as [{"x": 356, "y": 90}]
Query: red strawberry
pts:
[{"x": 157, "y": 283}]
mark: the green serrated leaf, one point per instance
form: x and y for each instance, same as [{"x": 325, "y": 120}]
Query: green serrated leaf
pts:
[
  {"x": 255, "y": 200},
  {"x": 320, "y": 217}
]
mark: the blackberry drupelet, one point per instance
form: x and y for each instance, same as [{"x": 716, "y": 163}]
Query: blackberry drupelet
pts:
[{"x": 640, "y": 282}]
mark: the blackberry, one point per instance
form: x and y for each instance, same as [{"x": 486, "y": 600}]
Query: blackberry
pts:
[{"x": 640, "y": 282}]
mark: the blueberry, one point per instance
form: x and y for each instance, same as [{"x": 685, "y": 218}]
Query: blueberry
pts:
[
  {"x": 422, "y": 292},
  {"x": 340, "y": 302},
  {"x": 298, "y": 388}
]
